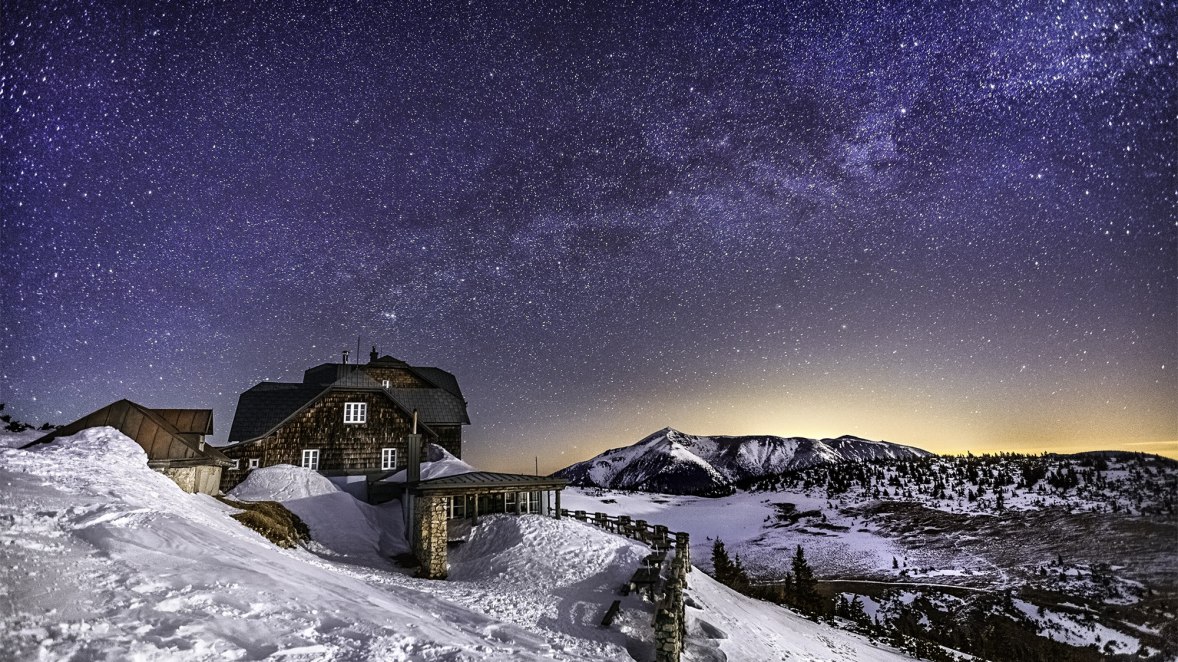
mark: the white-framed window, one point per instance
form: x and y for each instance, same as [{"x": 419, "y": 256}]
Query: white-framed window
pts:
[
  {"x": 388, "y": 458},
  {"x": 236, "y": 465},
  {"x": 529, "y": 502},
  {"x": 385, "y": 383},
  {"x": 355, "y": 412},
  {"x": 254, "y": 462},
  {"x": 456, "y": 506},
  {"x": 311, "y": 458}
]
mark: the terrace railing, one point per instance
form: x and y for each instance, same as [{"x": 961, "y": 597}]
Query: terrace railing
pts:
[{"x": 670, "y": 625}]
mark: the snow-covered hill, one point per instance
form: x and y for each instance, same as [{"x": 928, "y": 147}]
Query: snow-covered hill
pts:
[
  {"x": 102, "y": 558},
  {"x": 672, "y": 462}
]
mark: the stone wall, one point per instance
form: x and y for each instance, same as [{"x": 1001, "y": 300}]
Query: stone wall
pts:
[
  {"x": 431, "y": 536},
  {"x": 670, "y": 620}
]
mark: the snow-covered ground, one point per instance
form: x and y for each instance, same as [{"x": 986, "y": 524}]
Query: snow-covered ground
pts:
[
  {"x": 102, "y": 558},
  {"x": 745, "y": 522}
]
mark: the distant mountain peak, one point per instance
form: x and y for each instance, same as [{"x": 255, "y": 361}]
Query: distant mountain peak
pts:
[{"x": 674, "y": 462}]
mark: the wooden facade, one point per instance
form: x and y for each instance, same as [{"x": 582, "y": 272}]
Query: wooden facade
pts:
[{"x": 344, "y": 448}]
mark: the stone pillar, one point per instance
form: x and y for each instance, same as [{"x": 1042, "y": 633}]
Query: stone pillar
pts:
[
  {"x": 432, "y": 536},
  {"x": 683, "y": 550},
  {"x": 668, "y": 637}
]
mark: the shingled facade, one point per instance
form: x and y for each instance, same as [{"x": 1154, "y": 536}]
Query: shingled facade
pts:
[{"x": 347, "y": 421}]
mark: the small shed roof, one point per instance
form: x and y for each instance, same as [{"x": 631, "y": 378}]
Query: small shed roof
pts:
[
  {"x": 164, "y": 443},
  {"x": 478, "y": 481},
  {"x": 189, "y": 421}
]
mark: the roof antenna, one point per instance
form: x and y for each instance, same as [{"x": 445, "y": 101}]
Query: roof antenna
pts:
[{"x": 357, "y": 349}]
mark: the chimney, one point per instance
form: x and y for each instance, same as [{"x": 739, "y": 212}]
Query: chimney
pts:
[
  {"x": 346, "y": 353},
  {"x": 413, "y": 469},
  {"x": 372, "y": 355}
]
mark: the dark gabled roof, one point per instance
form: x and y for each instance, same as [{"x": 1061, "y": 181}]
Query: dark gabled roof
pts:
[
  {"x": 269, "y": 404},
  {"x": 487, "y": 479},
  {"x": 266, "y": 405},
  {"x": 387, "y": 361},
  {"x": 189, "y": 421},
  {"x": 441, "y": 379},
  {"x": 433, "y": 405},
  {"x": 163, "y": 442}
]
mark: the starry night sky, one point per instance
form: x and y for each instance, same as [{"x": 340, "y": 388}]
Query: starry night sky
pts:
[{"x": 951, "y": 225}]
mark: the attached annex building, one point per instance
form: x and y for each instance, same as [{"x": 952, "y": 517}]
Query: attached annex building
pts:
[
  {"x": 349, "y": 422},
  {"x": 174, "y": 440}
]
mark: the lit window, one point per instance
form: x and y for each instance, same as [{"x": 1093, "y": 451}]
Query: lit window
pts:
[
  {"x": 385, "y": 383},
  {"x": 388, "y": 458},
  {"x": 236, "y": 465},
  {"x": 311, "y": 459},
  {"x": 254, "y": 462},
  {"x": 355, "y": 412}
]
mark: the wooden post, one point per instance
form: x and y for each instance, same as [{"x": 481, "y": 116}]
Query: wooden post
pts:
[{"x": 557, "y": 504}]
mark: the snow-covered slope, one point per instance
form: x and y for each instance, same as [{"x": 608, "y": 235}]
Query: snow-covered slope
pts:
[
  {"x": 672, "y": 462},
  {"x": 103, "y": 559}
]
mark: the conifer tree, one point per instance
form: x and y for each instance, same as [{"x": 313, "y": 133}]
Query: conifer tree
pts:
[
  {"x": 805, "y": 593},
  {"x": 721, "y": 564}
]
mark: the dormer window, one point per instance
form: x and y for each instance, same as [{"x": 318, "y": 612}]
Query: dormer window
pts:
[
  {"x": 384, "y": 383},
  {"x": 355, "y": 412}
]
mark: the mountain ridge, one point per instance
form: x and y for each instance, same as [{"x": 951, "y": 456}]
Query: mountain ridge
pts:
[{"x": 673, "y": 462}]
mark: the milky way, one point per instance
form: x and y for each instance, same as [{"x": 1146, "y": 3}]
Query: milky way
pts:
[{"x": 947, "y": 225}]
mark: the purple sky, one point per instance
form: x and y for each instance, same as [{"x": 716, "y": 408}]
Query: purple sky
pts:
[{"x": 947, "y": 225}]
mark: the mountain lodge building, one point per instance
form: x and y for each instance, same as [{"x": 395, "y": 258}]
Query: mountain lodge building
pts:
[{"x": 347, "y": 421}]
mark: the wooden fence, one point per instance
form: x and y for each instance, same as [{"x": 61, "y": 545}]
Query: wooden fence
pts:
[{"x": 670, "y": 625}]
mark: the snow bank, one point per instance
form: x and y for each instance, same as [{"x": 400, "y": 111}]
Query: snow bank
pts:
[
  {"x": 102, "y": 558},
  {"x": 438, "y": 462},
  {"x": 340, "y": 524},
  {"x": 282, "y": 482},
  {"x": 723, "y": 624},
  {"x": 360, "y": 532},
  {"x": 18, "y": 439}
]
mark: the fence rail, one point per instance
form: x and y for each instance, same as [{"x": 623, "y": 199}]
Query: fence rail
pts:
[{"x": 670, "y": 625}]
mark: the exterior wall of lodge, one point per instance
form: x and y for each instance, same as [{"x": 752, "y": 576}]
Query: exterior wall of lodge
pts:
[
  {"x": 195, "y": 480},
  {"x": 344, "y": 448},
  {"x": 397, "y": 377}
]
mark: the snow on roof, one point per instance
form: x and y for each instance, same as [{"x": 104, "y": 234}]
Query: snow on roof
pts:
[{"x": 438, "y": 462}]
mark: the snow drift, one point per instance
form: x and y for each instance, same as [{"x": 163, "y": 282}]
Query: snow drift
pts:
[{"x": 282, "y": 482}]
